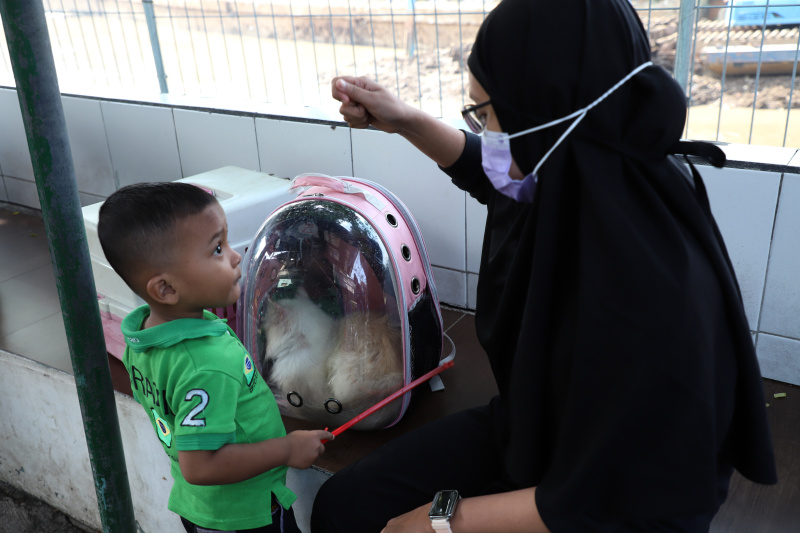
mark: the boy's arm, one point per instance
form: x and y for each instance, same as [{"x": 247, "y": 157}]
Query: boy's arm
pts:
[{"x": 238, "y": 462}]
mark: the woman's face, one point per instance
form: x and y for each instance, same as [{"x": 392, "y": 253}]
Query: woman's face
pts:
[{"x": 486, "y": 113}]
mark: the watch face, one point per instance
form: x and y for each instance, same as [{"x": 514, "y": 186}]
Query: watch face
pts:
[{"x": 444, "y": 504}]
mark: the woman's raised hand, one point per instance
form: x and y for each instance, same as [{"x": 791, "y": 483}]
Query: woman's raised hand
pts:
[{"x": 367, "y": 103}]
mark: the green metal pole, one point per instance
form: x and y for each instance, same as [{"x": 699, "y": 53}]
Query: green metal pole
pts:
[{"x": 46, "y": 129}]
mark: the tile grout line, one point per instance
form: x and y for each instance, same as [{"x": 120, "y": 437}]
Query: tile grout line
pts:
[
  {"x": 769, "y": 258},
  {"x": 463, "y": 314}
]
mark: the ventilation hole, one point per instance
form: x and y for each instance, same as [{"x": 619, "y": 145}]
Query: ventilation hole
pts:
[
  {"x": 406, "y": 251},
  {"x": 294, "y": 399},
  {"x": 391, "y": 220},
  {"x": 415, "y": 285},
  {"x": 333, "y": 406}
]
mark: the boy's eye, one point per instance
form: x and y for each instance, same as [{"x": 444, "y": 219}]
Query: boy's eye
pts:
[{"x": 218, "y": 249}]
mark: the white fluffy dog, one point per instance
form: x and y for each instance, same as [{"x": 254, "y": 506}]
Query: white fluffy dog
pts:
[{"x": 356, "y": 360}]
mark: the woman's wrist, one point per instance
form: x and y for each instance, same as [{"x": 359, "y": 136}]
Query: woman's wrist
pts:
[
  {"x": 509, "y": 512},
  {"x": 413, "y": 123}
]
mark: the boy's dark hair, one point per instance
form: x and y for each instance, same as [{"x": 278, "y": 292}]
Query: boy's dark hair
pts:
[{"x": 136, "y": 223}]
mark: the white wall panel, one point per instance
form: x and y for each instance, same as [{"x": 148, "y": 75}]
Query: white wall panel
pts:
[
  {"x": 780, "y": 313},
  {"x": 50, "y": 459},
  {"x": 472, "y": 290},
  {"x": 89, "y": 145},
  {"x": 15, "y": 158},
  {"x": 89, "y": 199},
  {"x": 142, "y": 143},
  {"x": 55, "y": 470},
  {"x": 779, "y": 358},
  {"x": 290, "y": 148},
  {"x": 208, "y": 141},
  {"x": 743, "y": 203},
  {"x": 451, "y": 286},
  {"x": 22, "y": 192}
]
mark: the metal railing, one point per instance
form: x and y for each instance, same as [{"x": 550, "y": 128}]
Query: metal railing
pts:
[{"x": 739, "y": 80}]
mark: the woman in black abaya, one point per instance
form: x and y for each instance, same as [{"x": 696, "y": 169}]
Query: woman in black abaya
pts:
[{"x": 607, "y": 304}]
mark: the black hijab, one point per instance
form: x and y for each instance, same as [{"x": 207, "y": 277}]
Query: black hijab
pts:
[{"x": 608, "y": 307}]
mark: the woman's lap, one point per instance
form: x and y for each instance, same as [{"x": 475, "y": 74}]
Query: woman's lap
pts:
[{"x": 457, "y": 452}]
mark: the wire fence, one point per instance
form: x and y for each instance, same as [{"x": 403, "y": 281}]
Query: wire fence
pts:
[{"x": 737, "y": 59}]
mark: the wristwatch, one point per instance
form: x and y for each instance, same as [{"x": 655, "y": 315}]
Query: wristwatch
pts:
[{"x": 442, "y": 509}]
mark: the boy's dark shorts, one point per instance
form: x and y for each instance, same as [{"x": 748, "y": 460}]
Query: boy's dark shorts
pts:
[{"x": 283, "y": 521}]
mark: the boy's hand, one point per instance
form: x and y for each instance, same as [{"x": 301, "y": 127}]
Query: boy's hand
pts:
[{"x": 305, "y": 447}]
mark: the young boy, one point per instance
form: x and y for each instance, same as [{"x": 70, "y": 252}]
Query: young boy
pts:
[{"x": 216, "y": 418}]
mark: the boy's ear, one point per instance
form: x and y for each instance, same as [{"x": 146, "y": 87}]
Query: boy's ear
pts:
[{"x": 161, "y": 291}]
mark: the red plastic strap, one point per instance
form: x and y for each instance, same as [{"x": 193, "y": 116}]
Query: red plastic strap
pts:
[{"x": 383, "y": 403}]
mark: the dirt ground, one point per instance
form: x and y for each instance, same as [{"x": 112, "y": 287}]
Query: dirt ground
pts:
[
  {"x": 438, "y": 72},
  {"x": 774, "y": 91},
  {"x": 21, "y": 513}
]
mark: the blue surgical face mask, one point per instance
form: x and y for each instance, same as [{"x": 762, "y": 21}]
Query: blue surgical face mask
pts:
[{"x": 496, "y": 150}]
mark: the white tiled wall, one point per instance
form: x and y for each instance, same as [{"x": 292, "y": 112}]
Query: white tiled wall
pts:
[
  {"x": 142, "y": 142},
  {"x": 15, "y": 158},
  {"x": 208, "y": 141},
  {"x": 289, "y": 148},
  {"x": 779, "y": 358},
  {"x": 22, "y": 192},
  {"x": 89, "y": 146},
  {"x": 89, "y": 199},
  {"x": 115, "y": 144},
  {"x": 743, "y": 203},
  {"x": 451, "y": 286},
  {"x": 781, "y": 309},
  {"x": 472, "y": 290}
]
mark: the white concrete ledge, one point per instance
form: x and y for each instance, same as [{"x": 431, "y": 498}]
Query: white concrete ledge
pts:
[{"x": 43, "y": 450}]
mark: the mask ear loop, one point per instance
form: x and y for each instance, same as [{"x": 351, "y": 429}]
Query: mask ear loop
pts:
[{"x": 581, "y": 114}]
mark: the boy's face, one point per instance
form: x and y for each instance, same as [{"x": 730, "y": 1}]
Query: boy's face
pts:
[{"x": 205, "y": 269}]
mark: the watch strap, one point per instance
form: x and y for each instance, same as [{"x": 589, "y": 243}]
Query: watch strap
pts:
[{"x": 441, "y": 524}]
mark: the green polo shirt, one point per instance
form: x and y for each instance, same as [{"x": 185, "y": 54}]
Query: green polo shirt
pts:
[{"x": 201, "y": 390}]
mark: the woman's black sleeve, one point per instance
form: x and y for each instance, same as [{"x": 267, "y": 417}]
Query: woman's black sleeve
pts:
[{"x": 467, "y": 172}]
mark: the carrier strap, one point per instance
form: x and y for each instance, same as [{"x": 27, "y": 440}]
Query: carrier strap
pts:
[
  {"x": 306, "y": 181},
  {"x": 435, "y": 383}
]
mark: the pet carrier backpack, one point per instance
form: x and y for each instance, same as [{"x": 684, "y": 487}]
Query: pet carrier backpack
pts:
[{"x": 338, "y": 306}]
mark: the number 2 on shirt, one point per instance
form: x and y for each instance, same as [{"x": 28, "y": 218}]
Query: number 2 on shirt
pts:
[{"x": 191, "y": 419}]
